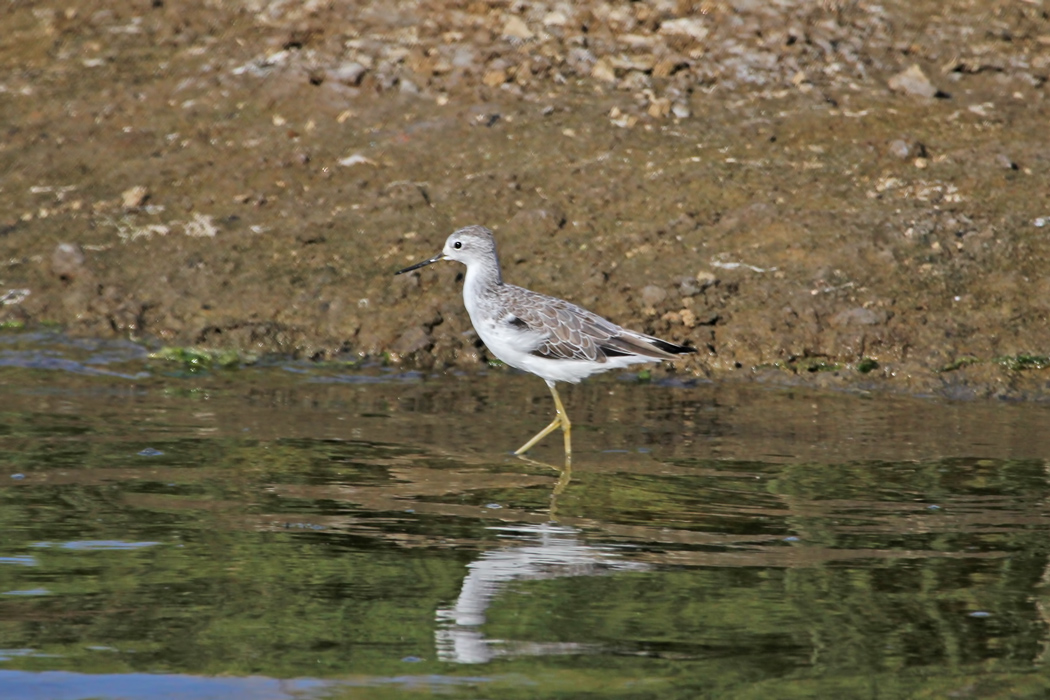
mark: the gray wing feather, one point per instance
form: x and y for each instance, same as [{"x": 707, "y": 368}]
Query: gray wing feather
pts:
[{"x": 574, "y": 333}]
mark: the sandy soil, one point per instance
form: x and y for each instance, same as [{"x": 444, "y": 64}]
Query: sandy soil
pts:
[{"x": 843, "y": 194}]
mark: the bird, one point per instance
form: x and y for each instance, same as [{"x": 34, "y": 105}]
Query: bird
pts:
[{"x": 554, "y": 339}]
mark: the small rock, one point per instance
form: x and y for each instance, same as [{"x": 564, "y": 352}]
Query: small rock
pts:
[
  {"x": 385, "y": 77},
  {"x": 690, "y": 27},
  {"x": 633, "y": 63},
  {"x": 14, "y": 296},
  {"x": 604, "y": 71},
  {"x": 412, "y": 340},
  {"x": 356, "y": 159},
  {"x": 581, "y": 60},
  {"x": 1004, "y": 161},
  {"x": 348, "y": 73},
  {"x": 912, "y": 81},
  {"x": 134, "y": 197},
  {"x": 659, "y": 108},
  {"x": 680, "y": 111},
  {"x": 465, "y": 58},
  {"x": 515, "y": 28},
  {"x": 664, "y": 68},
  {"x": 622, "y": 120},
  {"x": 67, "y": 261},
  {"x": 495, "y": 78},
  {"x": 407, "y": 87},
  {"x": 899, "y": 149},
  {"x": 653, "y": 295},
  {"x": 688, "y": 287},
  {"x": 555, "y": 18},
  {"x": 706, "y": 279},
  {"x": 200, "y": 226},
  {"x": 672, "y": 317},
  {"x": 635, "y": 81},
  {"x": 858, "y": 316}
]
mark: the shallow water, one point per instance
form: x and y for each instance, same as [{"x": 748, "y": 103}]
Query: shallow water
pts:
[{"x": 293, "y": 530}]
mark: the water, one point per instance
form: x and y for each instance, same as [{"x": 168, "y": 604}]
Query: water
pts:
[{"x": 297, "y": 531}]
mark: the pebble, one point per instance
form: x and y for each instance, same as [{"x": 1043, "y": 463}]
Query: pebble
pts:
[
  {"x": 412, "y": 340},
  {"x": 580, "y": 60},
  {"x": 688, "y": 287},
  {"x": 899, "y": 148},
  {"x": 555, "y": 18},
  {"x": 14, "y": 296},
  {"x": 706, "y": 279},
  {"x": 635, "y": 81},
  {"x": 912, "y": 81},
  {"x": 464, "y": 58},
  {"x": 495, "y": 77},
  {"x": 349, "y": 73},
  {"x": 515, "y": 28},
  {"x": 603, "y": 71},
  {"x": 634, "y": 47},
  {"x": 858, "y": 316},
  {"x": 67, "y": 261},
  {"x": 1003, "y": 161},
  {"x": 653, "y": 295},
  {"x": 660, "y": 107},
  {"x": 356, "y": 159},
  {"x": 690, "y": 27},
  {"x": 134, "y": 197}
]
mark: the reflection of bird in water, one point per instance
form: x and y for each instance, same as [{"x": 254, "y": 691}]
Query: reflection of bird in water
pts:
[
  {"x": 549, "y": 337},
  {"x": 530, "y": 552},
  {"x": 564, "y": 477}
]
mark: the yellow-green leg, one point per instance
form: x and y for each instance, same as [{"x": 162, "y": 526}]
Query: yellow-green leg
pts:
[{"x": 561, "y": 419}]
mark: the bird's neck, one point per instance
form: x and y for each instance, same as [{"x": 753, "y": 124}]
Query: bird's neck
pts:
[
  {"x": 484, "y": 275},
  {"x": 480, "y": 279}
]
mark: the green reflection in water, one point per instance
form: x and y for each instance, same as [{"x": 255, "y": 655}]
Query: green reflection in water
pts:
[{"x": 151, "y": 531}]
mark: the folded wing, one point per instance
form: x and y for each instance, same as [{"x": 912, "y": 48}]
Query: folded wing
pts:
[{"x": 570, "y": 332}]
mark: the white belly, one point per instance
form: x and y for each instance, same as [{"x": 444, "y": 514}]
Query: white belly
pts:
[{"x": 515, "y": 346}]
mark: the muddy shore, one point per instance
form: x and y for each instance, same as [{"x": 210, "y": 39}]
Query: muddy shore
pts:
[{"x": 848, "y": 194}]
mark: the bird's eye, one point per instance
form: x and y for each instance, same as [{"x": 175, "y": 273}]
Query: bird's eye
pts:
[{"x": 457, "y": 245}]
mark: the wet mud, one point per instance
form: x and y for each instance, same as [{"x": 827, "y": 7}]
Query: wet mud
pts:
[{"x": 839, "y": 194}]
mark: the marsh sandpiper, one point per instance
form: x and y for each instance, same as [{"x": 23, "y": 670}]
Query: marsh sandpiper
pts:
[{"x": 546, "y": 336}]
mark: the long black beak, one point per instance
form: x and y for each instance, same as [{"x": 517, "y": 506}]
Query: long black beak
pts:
[{"x": 437, "y": 258}]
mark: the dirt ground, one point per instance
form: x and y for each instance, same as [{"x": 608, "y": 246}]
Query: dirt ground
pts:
[{"x": 848, "y": 194}]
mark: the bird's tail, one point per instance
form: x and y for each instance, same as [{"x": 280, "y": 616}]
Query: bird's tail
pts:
[
  {"x": 631, "y": 343},
  {"x": 670, "y": 348}
]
